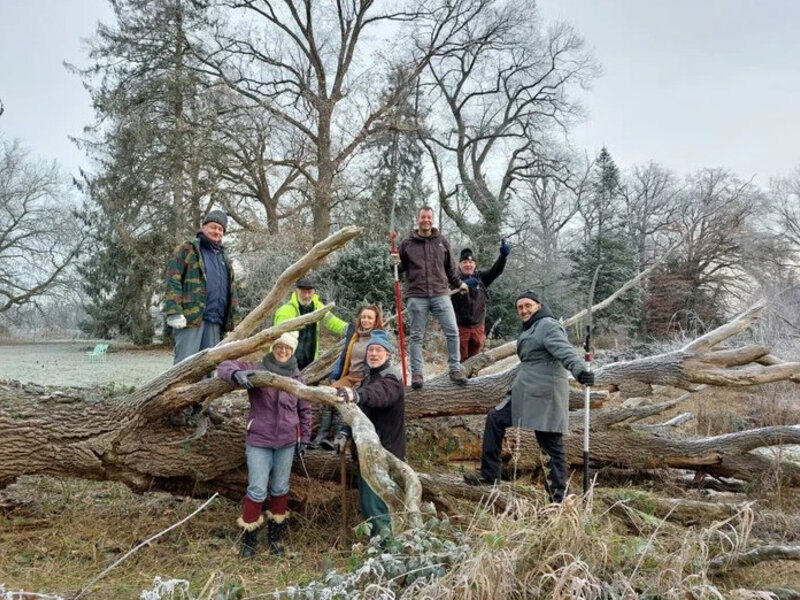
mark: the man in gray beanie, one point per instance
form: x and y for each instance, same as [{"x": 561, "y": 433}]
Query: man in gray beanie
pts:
[{"x": 202, "y": 298}]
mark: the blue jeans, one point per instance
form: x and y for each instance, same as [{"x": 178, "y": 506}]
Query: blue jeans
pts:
[
  {"x": 190, "y": 340},
  {"x": 273, "y": 465},
  {"x": 442, "y": 308}
]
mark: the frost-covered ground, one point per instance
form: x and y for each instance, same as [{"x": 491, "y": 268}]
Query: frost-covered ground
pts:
[{"x": 66, "y": 363}]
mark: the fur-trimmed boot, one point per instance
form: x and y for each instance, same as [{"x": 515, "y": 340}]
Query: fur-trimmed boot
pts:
[
  {"x": 250, "y": 521},
  {"x": 276, "y": 524}
]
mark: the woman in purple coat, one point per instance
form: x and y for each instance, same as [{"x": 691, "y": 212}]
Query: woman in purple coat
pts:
[{"x": 279, "y": 425}]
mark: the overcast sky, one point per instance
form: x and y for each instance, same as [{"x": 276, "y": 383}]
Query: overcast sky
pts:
[{"x": 686, "y": 83}]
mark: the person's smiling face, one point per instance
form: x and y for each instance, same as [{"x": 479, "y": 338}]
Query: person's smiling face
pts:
[
  {"x": 526, "y": 308},
  {"x": 367, "y": 319},
  {"x": 282, "y": 353},
  {"x": 213, "y": 231}
]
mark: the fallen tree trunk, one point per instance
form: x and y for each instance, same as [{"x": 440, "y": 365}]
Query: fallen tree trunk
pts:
[{"x": 82, "y": 434}]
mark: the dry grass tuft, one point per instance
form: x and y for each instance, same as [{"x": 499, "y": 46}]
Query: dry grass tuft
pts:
[{"x": 58, "y": 534}]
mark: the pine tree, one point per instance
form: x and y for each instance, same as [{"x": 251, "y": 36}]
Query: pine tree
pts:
[
  {"x": 617, "y": 263},
  {"x": 606, "y": 246},
  {"x": 397, "y": 174},
  {"x": 601, "y": 212},
  {"x": 154, "y": 151}
]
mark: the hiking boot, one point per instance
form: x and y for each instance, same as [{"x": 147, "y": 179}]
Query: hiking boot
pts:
[
  {"x": 457, "y": 376},
  {"x": 479, "y": 479},
  {"x": 416, "y": 381},
  {"x": 327, "y": 444}
]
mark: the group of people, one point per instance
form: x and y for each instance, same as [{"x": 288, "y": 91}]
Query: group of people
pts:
[{"x": 201, "y": 304}]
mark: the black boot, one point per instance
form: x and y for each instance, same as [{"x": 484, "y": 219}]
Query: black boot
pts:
[
  {"x": 325, "y": 417},
  {"x": 249, "y": 543},
  {"x": 274, "y": 534}
]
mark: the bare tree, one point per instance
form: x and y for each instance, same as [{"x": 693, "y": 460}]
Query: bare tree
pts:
[
  {"x": 499, "y": 100},
  {"x": 315, "y": 66},
  {"x": 714, "y": 213},
  {"x": 258, "y": 185},
  {"x": 650, "y": 194},
  {"x": 39, "y": 238},
  {"x": 786, "y": 195}
]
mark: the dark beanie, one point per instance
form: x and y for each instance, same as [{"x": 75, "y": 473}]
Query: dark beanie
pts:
[
  {"x": 217, "y": 216},
  {"x": 466, "y": 254},
  {"x": 530, "y": 295}
]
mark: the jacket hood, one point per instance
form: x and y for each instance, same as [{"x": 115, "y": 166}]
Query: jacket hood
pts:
[{"x": 434, "y": 234}]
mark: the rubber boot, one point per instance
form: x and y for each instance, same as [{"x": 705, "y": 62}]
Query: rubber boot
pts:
[
  {"x": 250, "y": 521},
  {"x": 325, "y": 416}
]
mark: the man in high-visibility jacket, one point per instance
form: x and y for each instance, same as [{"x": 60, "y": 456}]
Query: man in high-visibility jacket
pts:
[{"x": 303, "y": 301}]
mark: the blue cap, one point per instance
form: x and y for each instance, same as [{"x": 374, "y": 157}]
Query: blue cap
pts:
[{"x": 380, "y": 337}]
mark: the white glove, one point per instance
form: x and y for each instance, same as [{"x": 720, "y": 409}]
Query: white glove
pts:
[
  {"x": 395, "y": 259},
  {"x": 176, "y": 321},
  {"x": 463, "y": 288}
]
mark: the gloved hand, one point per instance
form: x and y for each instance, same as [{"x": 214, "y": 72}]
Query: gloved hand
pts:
[
  {"x": 463, "y": 288},
  {"x": 242, "y": 379},
  {"x": 346, "y": 395},
  {"x": 505, "y": 249},
  {"x": 586, "y": 378},
  {"x": 339, "y": 443},
  {"x": 176, "y": 321},
  {"x": 394, "y": 259},
  {"x": 472, "y": 282},
  {"x": 300, "y": 448}
]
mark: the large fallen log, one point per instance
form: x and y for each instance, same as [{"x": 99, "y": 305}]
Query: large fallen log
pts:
[{"x": 126, "y": 438}]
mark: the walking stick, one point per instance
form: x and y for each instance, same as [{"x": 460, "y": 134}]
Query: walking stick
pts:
[
  {"x": 343, "y": 477},
  {"x": 587, "y": 356},
  {"x": 398, "y": 297}
]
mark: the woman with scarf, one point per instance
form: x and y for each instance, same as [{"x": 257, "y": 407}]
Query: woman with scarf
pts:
[
  {"x": 278, "y": 426},
  {"x": 539, "y": 396},
  {"x": 349, "y": 369}
]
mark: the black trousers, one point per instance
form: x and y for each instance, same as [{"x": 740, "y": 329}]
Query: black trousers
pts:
[{"x": 551, "y": 443}]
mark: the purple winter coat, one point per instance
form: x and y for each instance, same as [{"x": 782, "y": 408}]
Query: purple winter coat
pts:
[{"x": 274, "y": 414}]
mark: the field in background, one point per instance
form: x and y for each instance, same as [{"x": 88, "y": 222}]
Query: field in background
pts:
[{"x": 66, "y": 363}]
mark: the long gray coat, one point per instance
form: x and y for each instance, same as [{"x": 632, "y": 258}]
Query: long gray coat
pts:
[{"x": 540, "y": 391}]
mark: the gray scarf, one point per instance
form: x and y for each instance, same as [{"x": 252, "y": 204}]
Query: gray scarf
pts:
[{"x": 286, "y": 369}]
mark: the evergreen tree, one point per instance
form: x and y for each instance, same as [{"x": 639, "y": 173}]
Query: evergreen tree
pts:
[
  {"x": 119, "y": 285},
  {"x": 360, "y": 275},
  {"x": 154, "y": 155},
  {"x": 396, "y": 175},
  {"x": 617, "y": 263},
  {"x": 607, "y": 246},
  {"x": 600, "y": 213}
]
